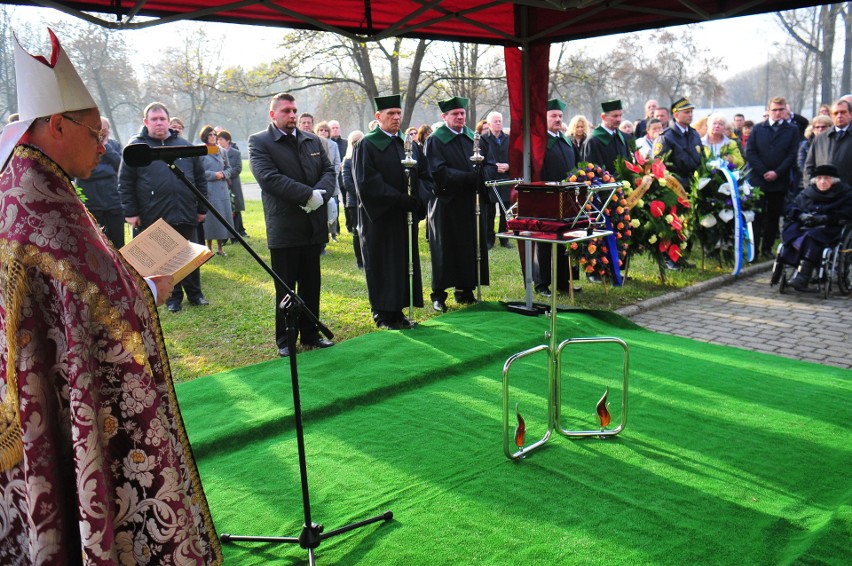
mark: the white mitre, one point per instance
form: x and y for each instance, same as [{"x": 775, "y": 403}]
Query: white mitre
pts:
[{"x": 45, "y": 87}]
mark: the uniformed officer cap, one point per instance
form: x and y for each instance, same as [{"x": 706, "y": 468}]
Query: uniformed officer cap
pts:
[
  {"x": 388, "y": 102},
  {"x": 556, "y": 104},
  {"x": 610, "y": 105},
  {"x": 453, "y": 103},
  {"x": 682, "y": 104}
]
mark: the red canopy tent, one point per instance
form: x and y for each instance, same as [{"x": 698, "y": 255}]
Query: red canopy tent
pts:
[{"x": 526, "y": 28}]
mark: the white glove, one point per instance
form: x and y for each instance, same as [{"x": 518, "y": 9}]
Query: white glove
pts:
[{"x": 314, "y": 202}]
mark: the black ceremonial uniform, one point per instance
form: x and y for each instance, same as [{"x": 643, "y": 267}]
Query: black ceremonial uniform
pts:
[
  {"x": 686, "y": 151},
  {"x": 383, "y": 218},
  {"x": 452, "y": 224},
  {"x": 602, "y": 148},
  {"x": 559, "y": 160}
]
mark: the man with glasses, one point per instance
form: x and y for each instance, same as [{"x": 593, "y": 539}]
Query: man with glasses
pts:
[
  {"x": 94, "y": 462},
  {"x": 771, "y": 156},
  {"x": 153, "y": 192},
  {"x": 833, "y": 146}
]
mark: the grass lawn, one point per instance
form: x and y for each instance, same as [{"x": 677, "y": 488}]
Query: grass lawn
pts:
[{"x": 237, "y": 329}]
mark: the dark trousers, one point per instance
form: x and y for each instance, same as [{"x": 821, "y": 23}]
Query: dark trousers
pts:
[
  {"x": 112, "y": 223},
  {"x": 192, "y": 282},
  {"x": 543, "y": 258},
  {"x": 766, "y": 222},
  {"x": 491, "y": 210},
  {"x": 299, "y": 267},
  {"x": 351, "y": 215}
]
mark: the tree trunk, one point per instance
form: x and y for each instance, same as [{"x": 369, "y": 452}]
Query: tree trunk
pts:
[
  {"x": 828, "y": 16},
  {"x": 846, "y": 76}
]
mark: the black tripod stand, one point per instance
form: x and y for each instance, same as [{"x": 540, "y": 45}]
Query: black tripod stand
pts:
[{"x": 293, "y": 306}]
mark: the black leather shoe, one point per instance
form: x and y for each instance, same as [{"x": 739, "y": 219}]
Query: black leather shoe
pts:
[
  {"x": 284, "y": 352},
  {"x": 173, "y": 307},
  {"x": 199, "y": 302},
  {"x": 466, "y": 299},
  {"x": 389, "y": 325},
  {"x": 318, "y": 343},
  {"x": 544, "y": 292},
  {"x": 439, "y": 305}
]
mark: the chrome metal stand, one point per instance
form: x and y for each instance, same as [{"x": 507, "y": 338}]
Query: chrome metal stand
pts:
[{"x": 554, "y": 354}]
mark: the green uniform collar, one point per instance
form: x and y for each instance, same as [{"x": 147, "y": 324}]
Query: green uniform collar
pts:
[
  {"x": 446, "y": 135},
  {"x": 604, "y": 137},
  {"x": 553, "y": 139},
  {"x": 380, "y": 139}
]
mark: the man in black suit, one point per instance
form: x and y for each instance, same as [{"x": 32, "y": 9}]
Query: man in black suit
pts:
[
  {"x": 296, "y": 180},
  {"x": 771, "y": 156},
  {"x": 834, "y": 146},
  {"x": 498, "y": 146},
  {"x": 558, "y": 162},
  {"x": 607, "y": 142}
]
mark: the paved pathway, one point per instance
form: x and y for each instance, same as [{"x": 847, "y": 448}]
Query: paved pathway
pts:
[{"x": 750, "y": 314}]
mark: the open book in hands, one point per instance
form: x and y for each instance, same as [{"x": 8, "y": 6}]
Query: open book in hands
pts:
[{"x": 161, "y": 250}]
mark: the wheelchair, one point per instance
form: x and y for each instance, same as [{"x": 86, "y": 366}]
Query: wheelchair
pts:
[{"x": 835, "y": 267}]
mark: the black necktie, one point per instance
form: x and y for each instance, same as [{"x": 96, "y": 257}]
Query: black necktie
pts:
[
  {"x": 776, "y": 125},
  {"x": 840, "y": 134}
]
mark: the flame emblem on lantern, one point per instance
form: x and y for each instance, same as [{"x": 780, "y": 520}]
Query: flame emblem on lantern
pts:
[
  {"x": 521, "y": 429},
  {"x": 603, "y": 409}
]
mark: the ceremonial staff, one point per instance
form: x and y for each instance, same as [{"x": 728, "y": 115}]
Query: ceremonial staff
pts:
[
  {"x": 409, "y": 162},
  {"x": 477, "y": 159}
]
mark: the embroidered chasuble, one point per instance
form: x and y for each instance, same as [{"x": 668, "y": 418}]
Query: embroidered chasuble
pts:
[{"x": 95, "y": 465}]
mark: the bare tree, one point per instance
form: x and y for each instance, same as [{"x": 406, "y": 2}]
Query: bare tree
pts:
[
  {"x": 102, "y": 58},
  {"x": 187, "y": 79},
  {"x": 8, "y": 93},
  {"x": 359, "y": 70},
  {"x": 818, "y": 39}
]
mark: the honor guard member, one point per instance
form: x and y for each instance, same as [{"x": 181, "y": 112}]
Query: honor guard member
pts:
[
  {"x": 452, "y": 221},
  {"x": 607, "y": 142},
  {"x": 384, "y": 204},
  {"x": 683, "y": 143},
  {"x": 558, "y": 163}
]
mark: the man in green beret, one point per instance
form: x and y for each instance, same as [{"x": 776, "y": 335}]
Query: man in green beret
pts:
[
  {"x": 558, "y": 162},
  {"x": 384, "y": 205},
  {"x": 607, "y": 142},
  {"x": 453, "y": 224}
]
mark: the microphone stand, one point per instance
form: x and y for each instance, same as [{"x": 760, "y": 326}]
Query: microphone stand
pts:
[
  {"x": 477, "y": 160},
  {"x": 409, "y": 162},
  {"x": 293, "y": 306}
]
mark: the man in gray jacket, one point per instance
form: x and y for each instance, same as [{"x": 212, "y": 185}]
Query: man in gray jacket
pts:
[{"x": 296, "y": 181}]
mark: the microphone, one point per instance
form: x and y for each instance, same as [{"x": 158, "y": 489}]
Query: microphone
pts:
[{"x": 142, "y": 154}]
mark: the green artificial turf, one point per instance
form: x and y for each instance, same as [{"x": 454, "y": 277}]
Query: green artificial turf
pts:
[{"x": 728, "y": 457}]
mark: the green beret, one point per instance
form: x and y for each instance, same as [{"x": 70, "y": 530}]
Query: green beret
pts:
[
  {"x": 388, "y": 102},
  {"x": 681, "y": 104},
  {"x": 610, "y": 105},
  {"x": 453, "y": 103},
  {"x": 555, "y": 104}
]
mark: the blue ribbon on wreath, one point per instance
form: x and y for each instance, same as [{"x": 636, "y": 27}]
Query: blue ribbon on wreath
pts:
[
  {"x": 612, "y": 251},
  {"x": 742, "y": 240}
]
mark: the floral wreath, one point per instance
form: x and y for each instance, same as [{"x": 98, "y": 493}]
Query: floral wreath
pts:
[
  {"x": 714, "y": 207},
  {"x": 659, "y": 207},
  {"x": 598, "y": 256}
]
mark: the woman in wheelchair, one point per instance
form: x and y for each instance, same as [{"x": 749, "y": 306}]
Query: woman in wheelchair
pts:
[{"x": 814, "y": 221}]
